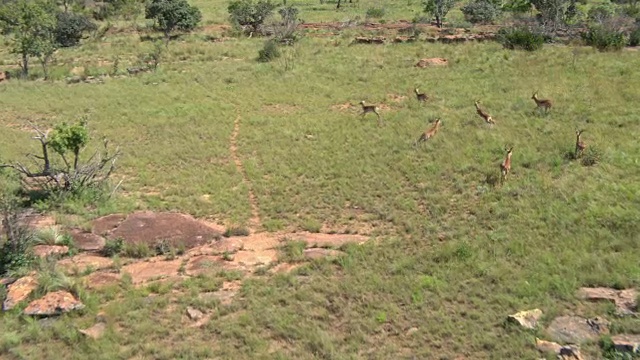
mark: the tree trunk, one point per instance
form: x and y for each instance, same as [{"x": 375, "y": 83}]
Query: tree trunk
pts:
[
  {"x": 45, "y": 68},
  {"x": 438, "y": 22},
  {"x": 338, "y": 7},
  {"x": 167, "y": 37},
  {"x": 25, "y": 65}
]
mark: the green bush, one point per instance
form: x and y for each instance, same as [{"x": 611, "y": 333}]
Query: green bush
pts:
[
  {"x": 70, "y": 27},
  {"x": 113, "y": 247},
  {"x": 601, "y": 12},
  {"x": 480, "y": 12},
  {"x": 520, "y": 38},
  {"x": 604, "y": 39},
  {"x": 269, "y": 52},
  {"x": 249, "y": 13},
  {"x": 376, "y": 13},
  {"x": 634, "y": 37}
]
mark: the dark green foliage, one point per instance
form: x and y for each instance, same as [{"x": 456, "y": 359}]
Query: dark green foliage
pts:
[
  {"x": 173, "y": 15},
  {"x": 128, "y": 9},
  {"x": 604, "y": 38},
  {"x": 520, "y": 38},
  {"x": 634, "y": 37},
  {"x": 113, "y": 247},
  {"x": 552, "y": 12},
  {"x": 70, "y": 28},
  {"x": 247, "y": 13},
  {"x": 480, "y": 12},
  {"x": 269, "y": 52},
  {"x": 15, "y": 239},
  {"x": 69, "y": 138},
  {"x": 517, "y": 6},
  {"x": 375, "y": 12},
  {"x": 438, "y": 9},
  {"x": 601, "y": 12}
]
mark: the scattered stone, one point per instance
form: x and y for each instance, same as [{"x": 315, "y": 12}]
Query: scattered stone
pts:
[
  {"x": 423, "y": 63},
  {"x": 569, "y": 352},
  {"x": 87, "y": 241},
  {"x": 404, "y": 39},
  {"x": 144, "y": 271},
  {"x": 203, "y": 264},
  {"x": 331, "y": 240},
  {"x": 77, "y": 71},
  {"x": 576, "y": 329},
  {"x": 626, "y": 342},
  {"x": 94, "y": 332},
  {"x": 84, "y": 262},
  {"x": 106, "y": 224},
  {"x": 625, "y": 300},
  {"x": 54, "y": 303},
  {"x": 371, "y": 40},
  {"x": 101, "y": 279},
  {"x": 527, "y": 319},
  {"x": 318, "y": 253},
  {"x": 43, "y": 251},
  {"x": 412, "y": 330},
  {"x": 194, "y": 314},
  {"x": 19, "y": 291},
  {"x": 225, "y": 295}
]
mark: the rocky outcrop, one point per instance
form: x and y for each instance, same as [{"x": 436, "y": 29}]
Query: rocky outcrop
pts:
[{"x": 54, "y": 303}]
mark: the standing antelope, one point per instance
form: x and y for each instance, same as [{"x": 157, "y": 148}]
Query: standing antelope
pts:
[
  {"x": 487, "y": 118},
  {"x": 580, "y": 145},
  {"x": 421, "y": 96},
  {"x": 505, "y": 166},
  {"x": 428, "y": 134},
  {"x": 370, "y": 109},
  {"x": 542, "y": 103}
]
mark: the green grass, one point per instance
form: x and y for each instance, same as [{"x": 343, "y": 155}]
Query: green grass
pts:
[{"x": 454, "y": 254}]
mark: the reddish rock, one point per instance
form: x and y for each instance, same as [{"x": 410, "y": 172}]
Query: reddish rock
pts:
[
  {"x": 94, "y": 332},
  {"x": 576, "y": 329},
  {"x": 318, "y": 253},
  {"x": 625, "y": 300},
  {"x": 54, "y": 303},
  {"x": 19, "y": 291},
  {"x": 626, "y": 342},
  {"x": 432, "y": 62},
  {"x": 225, "y": 245},
  {"x": 569, "y": 352},
  {"x": 284, "y": 268},
  {"x": 106, "y": 224},
  {"x": 330, "y": 240},
  {"x": 255, "y": 258},
  {"x": 83, "y": 262},
  {"x": 87, "y": 241},
  {"x": 141, "y": 272},
  {"x": 49, "y": 250},
  {"x": 101, "y": 279},
  {"x": 225, "y": 295},
  {"x": 202, "y": 264}
]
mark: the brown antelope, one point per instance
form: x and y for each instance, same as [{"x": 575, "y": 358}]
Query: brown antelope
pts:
[
  {"x": 370, "y": 109},
  {"x": 487, "y": 118},
  {"x": 505, "y": 166},
  {"x": 542, "y": 103},
  {"x": 421, "y": 96},
  {"x": 428, "y": 134},
  {"x": 580, "y": 145}
]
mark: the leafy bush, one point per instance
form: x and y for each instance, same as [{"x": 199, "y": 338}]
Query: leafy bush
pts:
[
  {"x": 269, "y": 52},
  {"x": 113, "y": 247},
  {"x": 247, "y": 13},
  {"x": 480, "y": 12},
  {"x": 286, "y": 31},
  {"x": 16, "y": 240},
  {"x": 634, "y": 37},
  {"x": 70, "y": 28},
  {"x": 438, "y": 9},
  {"x": 520, "y": 38},
  {"x": 173, "y": 15},
  {"x": 376, "y": 13},
  {"x": 604, "y": 38},
  {"x": 601, "y": 12}
]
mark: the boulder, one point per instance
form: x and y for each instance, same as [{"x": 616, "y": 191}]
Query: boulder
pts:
[
  {"x": 43, "y": 251},
  {"x": 19, "y": 291},
  {"x": 527, "y": 319},
  {"x": 54, "y": 303},
  {"x": 318, "y": 253},
  {"x": 87, "y": 241},
  {"x": 625, "y": 300},
  {"x": 626, "y": 342},
  {"x": 423, "y": 63},
  {"x": 576, "y": 329}
]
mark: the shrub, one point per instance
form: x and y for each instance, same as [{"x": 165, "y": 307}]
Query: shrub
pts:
[
  {"x": 604, "y": 38},
  {"x": 286, "y": 31},
  {"x": 520, "y": 38},
  {"x": 591, "y": 156},
  {"x": 70, "y": 27},
  {"x": 16, "y": 239},
  {"x": 376, "y": 13},
  {"x": 236, "y": 231},
  {"x": 634, "y": 37},
  {"x": 269, "y": 52},
  {"x": 480, "y": 12},
  {"x": 173, "y": 15},
  {"x": 601, "y": 12},
  {"x": 247, "y": 13},
  {"x": 113, "y": 247},
  {"x": 438, "y": 9}
]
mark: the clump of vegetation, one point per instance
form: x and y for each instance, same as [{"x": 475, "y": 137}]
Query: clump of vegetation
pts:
[
  {"x": 286, "y": 32},
  {"x": 591, "y": 156},
  {"x": 375, "y": 12},
  {"x": 16, "y": 239},
  {"x": 152, "y": 59},
  {"x": 552, "y": 13},
  {"x": 601, "y": 12},
  {"x": 113, "y": 247},
  {"x": 521, "y": 38},
  {"x": 236, "y": 231},
  {"x": 481, "y": 12},
  {"x": 52, "y": 236},
  {"x": 138, "y": 250},
  {"x": 604, "y": 38},
  {"x": 172, "y": 15},
  {"x": 438, "y": 9},
  {"x": 269, "y": 52},
  {"x": 634, "y": 37},
  {"x": 70, "y": 27},
  {"x": 250, "y": 15},
  {"x": 292, "y": 251}
]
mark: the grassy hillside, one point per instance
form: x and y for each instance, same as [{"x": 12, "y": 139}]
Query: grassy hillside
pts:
[{"x": 453, "y": 255}]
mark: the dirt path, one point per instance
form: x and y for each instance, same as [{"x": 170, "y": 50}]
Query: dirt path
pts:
[{"x": 254, "y": 222}]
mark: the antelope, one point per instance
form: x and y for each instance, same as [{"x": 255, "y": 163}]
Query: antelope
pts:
[
  {"x": 542, "y": 103},
  {"x": 369, "y": 109},
  {"x": 428, "y": 134},
  {"x": 421, "y": 96},
  {"x": 487, "y": 118},
  {"x": 505, "y": 166},
  {"x": 580, "y": 145}
]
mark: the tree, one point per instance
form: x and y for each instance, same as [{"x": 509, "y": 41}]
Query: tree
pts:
[
  {"x": 247, "y": 13},
  {"x": 438, "y": 9},
  {"x": 552, "y": 12},
  {"x": 70, "y": 27},
  {"x": 31, "y": 24},
  {"x": 173, "y": 15}
]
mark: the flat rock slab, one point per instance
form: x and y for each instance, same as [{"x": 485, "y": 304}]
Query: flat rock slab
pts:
[
  {"x": 203, "y": 264},
  {"x": 625, "y": 300},
  {"x": 83, "y": 262},
  {"x": 260, "y": 241},
  {"x": 570, "y": 352},
  {"x": 576, "y": 329},
  {"x": 255, "y": 258},
  {"x": 330, "y": 240},
  {"x": 225, "y": 295},
  {"x": 423, "y": 63},
  {"x": 106, "y": 224},
  {"x": 194, "y": 314},
  {"x": 319, "y": 253},
  {"x": 95, "y": 332},
  {"x": 101, "y": 279},
  {"x": 284, "y": 268},
  {"x": 626, "y": 342},
  {"x": 145, "y": 271},
  {"x": 527, "y": 319},
  {"x": 19, "y": 291},
  {"x": 150, "y": 228},
  {"x": 54, "y": 303},
  {"x": 88, "y": 241},
  {"x": 49, "y": 250},
  {"x": 224, "y": 245}
]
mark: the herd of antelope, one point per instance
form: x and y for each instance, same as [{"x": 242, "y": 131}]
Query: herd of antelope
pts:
[{"x": 505, "y": 165}]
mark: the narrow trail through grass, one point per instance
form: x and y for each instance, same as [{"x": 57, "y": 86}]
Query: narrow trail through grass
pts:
[{"x": 254, "y": 221}]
